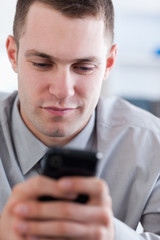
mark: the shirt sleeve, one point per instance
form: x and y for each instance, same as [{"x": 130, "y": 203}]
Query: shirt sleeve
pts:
[
  {"x": 124, "y": 232},
  {"x": 150, "y": 220},
  {"x": 151, "y": 214}
]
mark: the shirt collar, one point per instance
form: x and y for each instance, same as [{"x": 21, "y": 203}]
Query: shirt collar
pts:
[
  {"x": 84, "y": 139},
  {"x": 30, "y": 150}
]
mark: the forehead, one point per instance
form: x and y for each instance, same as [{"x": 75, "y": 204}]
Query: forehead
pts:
[{"x": 48, "y": 28}]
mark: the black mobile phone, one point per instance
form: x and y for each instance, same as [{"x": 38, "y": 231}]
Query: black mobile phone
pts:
[{"x": 60, "y": 162}]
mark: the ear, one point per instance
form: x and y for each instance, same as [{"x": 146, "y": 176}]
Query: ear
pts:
[
  {"x": 12, "y": 52},
  {"x": 111, "y": 58}
]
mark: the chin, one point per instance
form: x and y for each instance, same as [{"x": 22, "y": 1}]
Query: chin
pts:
[{"x": 55, "y": 133}]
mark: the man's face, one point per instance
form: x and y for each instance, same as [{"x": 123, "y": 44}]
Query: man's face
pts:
[{"x": 61, "y": 65}]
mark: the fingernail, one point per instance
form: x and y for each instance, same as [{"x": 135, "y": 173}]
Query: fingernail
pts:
[
  {"x": 71, "y": 196},
  {"x": 65, "y": 183},
  {"x": 33, "y": 238},
  {"x": 21, "y": 209},
  {"x": 23, "y": 227}
]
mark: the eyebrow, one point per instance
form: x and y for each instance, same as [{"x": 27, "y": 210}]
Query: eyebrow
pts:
[{"x": 35, "y": 53}]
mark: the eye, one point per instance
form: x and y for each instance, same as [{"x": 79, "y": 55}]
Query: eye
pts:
[
  {"x": 84, "y": 69},
  {"x": 42, "y": 65}
]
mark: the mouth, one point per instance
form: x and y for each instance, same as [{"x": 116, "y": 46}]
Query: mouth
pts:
[{"x": 59, "y": 111}]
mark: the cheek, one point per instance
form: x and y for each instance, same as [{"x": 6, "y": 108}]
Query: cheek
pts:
[
  {"x": 89, "y": 91},
  {"x": 27, "y": 89},
  {"x": 91, "y": 86},
  {"x": 29, "y": 80}
]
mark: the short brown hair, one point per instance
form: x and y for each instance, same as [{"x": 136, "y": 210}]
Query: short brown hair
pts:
[{"x": 70, "y": 8}]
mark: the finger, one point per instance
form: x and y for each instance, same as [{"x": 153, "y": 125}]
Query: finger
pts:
[
  {"x": 38, "y": 186},
  {"x": 61, "y": 229},
  {"x": 64, "y": 211},
  {"x": 30, "y": 189},
  {"x": 47, "y": 238},
  {"x": 97, "y": 189}
]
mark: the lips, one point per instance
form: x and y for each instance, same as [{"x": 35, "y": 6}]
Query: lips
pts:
[{"x": 59, "y": 111}]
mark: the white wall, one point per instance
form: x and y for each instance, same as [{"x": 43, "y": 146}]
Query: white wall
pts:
[
  {"x": 137, "y": 73},
  {"x": 8, "y": 79},
  {"x": 141, "y": 6}
]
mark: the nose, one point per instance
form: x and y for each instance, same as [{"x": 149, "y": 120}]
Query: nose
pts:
[{"x": 62, "y": 84}]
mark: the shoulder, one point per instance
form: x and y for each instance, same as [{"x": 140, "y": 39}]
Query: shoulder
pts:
[
  {"x": 129, "y": 136},
  {"x": 3, "y": 95},
  {"x": 115, "y": 112},
  {"x": 6, "y": 103}
]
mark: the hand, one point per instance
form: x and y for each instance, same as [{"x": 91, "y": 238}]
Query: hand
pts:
[{"x": 62, "y": 219}]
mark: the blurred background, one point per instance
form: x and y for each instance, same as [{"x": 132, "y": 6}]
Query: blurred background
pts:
[
  {"x": 136, "y": 75},
  {"x": 137, "y": 33}
]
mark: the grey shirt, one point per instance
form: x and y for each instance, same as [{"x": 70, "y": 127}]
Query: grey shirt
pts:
[{"x": 128, "y": 138}]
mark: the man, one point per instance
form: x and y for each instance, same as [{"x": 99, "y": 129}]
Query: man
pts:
[{"x": 62, "y": 52}]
